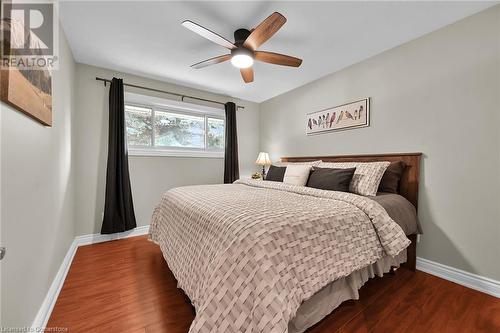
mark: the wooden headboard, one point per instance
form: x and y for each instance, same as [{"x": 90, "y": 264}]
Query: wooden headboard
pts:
[{"x": 408, "y": 186}]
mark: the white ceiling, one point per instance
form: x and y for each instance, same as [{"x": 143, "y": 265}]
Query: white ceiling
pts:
[{"x": 147, "y": 39}]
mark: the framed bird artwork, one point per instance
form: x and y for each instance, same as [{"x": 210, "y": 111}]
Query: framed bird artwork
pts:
[{"x": 346, "y": 116}]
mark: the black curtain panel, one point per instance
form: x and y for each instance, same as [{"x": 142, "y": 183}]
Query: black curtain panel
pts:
[
  {"x": 118, "y": 208},
  {"x": 231, "y": 168}
]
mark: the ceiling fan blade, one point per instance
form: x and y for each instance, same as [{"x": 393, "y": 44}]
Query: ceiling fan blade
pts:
[
  {"x": 208, "y": 34},
  {"x": 264, "y": 31},
  {"x": 247, "y": 74},
  {"x": 212, "y": 61},
  {"x": 277, "y": 59}
]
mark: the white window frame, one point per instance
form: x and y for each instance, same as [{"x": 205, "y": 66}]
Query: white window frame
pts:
[{"x": 183, "y": 108}]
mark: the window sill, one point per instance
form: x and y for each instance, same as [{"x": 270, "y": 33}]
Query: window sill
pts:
[{"x": 175, "y": 153}]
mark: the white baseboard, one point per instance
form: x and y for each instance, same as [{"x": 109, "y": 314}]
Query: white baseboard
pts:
[
  {"x": 43, "y": 315},
  {"x": 470, "y": 280},
  {"x": 98, "y": 238}
]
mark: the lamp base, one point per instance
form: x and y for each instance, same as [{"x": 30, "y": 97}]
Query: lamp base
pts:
[{"x": 263, "y": 172}]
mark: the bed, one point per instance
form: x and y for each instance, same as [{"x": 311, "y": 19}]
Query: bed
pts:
[
  {"x": 257, "y": 256},
  {"x": 408, "y": 187}
]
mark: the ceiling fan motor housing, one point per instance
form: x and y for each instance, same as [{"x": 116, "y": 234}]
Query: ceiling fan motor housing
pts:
[{"x": 240, "y": 36}]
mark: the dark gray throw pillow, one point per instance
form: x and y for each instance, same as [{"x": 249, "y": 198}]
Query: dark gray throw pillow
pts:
[
  {"x": 275, "y": 174},
  {"x": 391, "y": 178},
  {"x": 331, "y": 179}
]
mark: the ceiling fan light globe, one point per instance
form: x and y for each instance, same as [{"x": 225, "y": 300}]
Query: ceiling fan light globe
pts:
[{"x": 242, "y": 61}]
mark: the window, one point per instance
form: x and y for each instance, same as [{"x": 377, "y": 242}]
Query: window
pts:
[
  {"x": 169, "y": 128},
  {"x": 139, "y": 127},
  {"x": 215, "y": 133}
]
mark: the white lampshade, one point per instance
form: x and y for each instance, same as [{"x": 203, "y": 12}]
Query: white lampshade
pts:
[{"x": 263, "y": 159}]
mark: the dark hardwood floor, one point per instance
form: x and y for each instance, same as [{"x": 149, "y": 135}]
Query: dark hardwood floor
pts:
[{"x": 126, "y": 286}]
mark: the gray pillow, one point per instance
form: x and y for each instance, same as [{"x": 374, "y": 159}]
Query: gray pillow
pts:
[
  {"x": 331, "y": 179},
  {"x": 391, "y": 178},
  {"x": 275, "y": 174}
]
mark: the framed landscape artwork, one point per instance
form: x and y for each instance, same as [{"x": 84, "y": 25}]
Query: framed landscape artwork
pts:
[
  {"x": 28, "y": 90},
  {"x": 346, "y": 116}
]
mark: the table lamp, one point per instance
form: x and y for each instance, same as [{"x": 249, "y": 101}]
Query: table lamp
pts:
[{"x": 263, "y": 159}]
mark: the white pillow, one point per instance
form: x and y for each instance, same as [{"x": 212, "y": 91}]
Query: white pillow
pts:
[
  {"x": 366, "y": 178},
  {"x": 297, "y": 174}
]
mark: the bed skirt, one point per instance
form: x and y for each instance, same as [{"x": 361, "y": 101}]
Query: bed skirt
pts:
[{"x": 331, "y": 296}]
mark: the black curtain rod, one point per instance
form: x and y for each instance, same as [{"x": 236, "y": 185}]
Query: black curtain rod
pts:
[{"x": 166, "y": 92}]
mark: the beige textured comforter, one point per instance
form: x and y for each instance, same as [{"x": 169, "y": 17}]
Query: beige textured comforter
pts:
[{"x": 248, "y": 254}]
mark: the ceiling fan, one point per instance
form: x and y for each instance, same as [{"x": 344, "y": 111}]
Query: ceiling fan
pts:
[{"x": 244, "y": 49}]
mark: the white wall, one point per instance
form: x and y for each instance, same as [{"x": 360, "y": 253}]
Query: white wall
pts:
[
  {"x": 37, "y": 197},
  {"x": 150, "y": 176},
  {"x": 438, "y": 95}
]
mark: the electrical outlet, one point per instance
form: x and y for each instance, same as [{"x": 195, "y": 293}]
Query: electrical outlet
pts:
[{"x": 2, "y": 252}]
